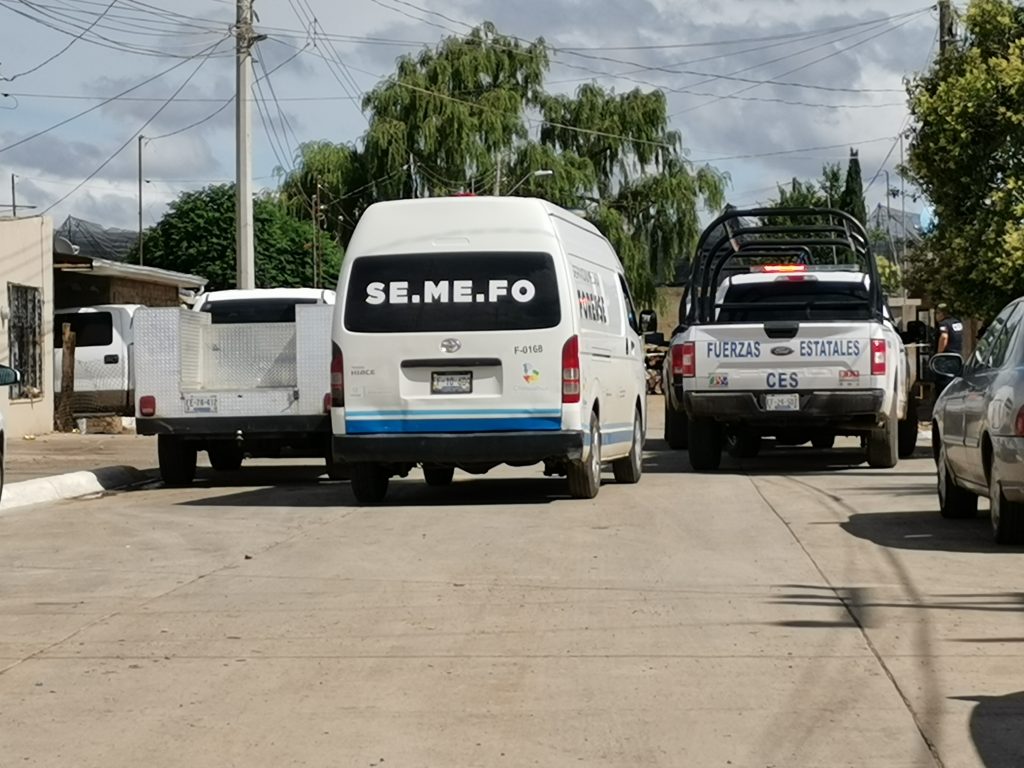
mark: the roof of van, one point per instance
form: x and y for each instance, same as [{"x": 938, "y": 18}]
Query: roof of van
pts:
[
  {"x": 129, "y": 308},
  {"x": 319, "y": 294},
  {"x": 532, "y": 216}
]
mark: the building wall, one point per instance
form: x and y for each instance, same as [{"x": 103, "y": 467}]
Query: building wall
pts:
[
  {"x": 123, "y": 291},
  {"x": 26, "y": 259}
]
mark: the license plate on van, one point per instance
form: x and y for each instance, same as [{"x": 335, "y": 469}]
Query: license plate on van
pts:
[
  {"x": 782, "y": 402},
  {"x": 200, "y": 403},
  {"x": 460, "y": 383}
]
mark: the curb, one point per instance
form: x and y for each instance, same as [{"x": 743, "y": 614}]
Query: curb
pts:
[{"x": 73, "y": 485}]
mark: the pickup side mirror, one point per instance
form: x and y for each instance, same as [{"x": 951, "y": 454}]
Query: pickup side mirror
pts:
[
  {"x": 648, "y": 321},
  {"x": 9, "y": 376},
  {"x": 947, "y": 364}
]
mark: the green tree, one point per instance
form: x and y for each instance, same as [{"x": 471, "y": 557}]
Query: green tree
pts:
[
  {"x": 852, "y": 198},
  {"x": 967, "y": 156},
  {"x": 197, "y": 236}
]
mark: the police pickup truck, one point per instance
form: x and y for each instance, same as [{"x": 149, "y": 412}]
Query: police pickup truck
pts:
[{"x": 787, "y": 335}]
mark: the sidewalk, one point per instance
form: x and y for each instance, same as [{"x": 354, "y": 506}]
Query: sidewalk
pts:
[{"x": 58, "y": 454}]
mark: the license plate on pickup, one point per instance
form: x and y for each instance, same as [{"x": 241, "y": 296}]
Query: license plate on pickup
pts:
[
  {"x": 200, "y": 403},
  {"x": 460, "y": 383},
  {"x": 782, "y": 402}
]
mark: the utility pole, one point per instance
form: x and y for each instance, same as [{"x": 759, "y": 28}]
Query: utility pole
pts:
[
  {"x": 245, "y": 259},
  {"x": 316, "y": 232},
  {"x": 947, "y": 26},
  {"x": 14, "y": 199},
  {"x": 141, "y": 139}
]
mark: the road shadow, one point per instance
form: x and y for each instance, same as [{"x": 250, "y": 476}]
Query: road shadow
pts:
[
  {"x": 997, "y": 729},
  {"x": 926, "y": 531}
]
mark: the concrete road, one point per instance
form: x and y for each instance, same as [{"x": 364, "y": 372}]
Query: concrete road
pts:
[{"x": 791, "y": 612}]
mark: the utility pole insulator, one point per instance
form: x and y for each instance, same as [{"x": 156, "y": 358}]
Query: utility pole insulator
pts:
[{"x": 245, "y": 258}]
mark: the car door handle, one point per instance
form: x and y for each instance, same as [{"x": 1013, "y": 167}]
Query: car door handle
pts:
[{"x": 111, "y": 359}]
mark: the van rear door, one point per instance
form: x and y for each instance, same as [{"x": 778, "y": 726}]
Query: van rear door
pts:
[{"x": 453, "y": 342}]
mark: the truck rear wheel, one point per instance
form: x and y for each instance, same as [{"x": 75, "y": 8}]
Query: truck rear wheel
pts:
[
  {"x": 675, "y": 427},
  {"x": 585, "y": 476},
  {"x": 224, "y": 457},
  {"x": 908, "y": 430},
  {"x": 743, "y": 443},
  {"x": 177, "y": 460},
  {"x": 369, "y": 483},
  {"x": 705, "y": 441},
  {"x": 883, "y": 443}
]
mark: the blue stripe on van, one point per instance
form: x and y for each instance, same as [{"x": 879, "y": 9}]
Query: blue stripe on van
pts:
[
  {"x": 370, "y": 414},
  {"x": 420, "y": 426}
]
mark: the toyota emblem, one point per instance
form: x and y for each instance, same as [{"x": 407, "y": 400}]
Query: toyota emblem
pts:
[{"x": 451, "y": 346}]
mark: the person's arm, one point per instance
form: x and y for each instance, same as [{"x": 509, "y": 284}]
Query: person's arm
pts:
[{"x": 943, "y": 340}]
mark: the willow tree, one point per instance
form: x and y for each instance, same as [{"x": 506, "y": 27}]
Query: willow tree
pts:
[{"x": 329, "y": 185}]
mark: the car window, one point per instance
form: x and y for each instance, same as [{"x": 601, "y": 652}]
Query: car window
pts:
[
  {"x": 631, "y": 316},
  {"x": 987, "y": 344},
  {"x": 1001, "y": 345}
]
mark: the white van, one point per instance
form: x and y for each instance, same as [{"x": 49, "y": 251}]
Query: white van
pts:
[
  {"x": 104, "y": 373},
  {"x": 477, "y": 331}
]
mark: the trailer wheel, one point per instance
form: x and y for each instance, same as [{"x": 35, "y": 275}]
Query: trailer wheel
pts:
[
  {"x": 224, "y": 457},
  {"x": 369, "y": 482},
  {"x": 177, "y": 460}
]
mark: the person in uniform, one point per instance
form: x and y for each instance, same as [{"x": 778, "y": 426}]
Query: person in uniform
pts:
[{"x": 950, "y": 332}]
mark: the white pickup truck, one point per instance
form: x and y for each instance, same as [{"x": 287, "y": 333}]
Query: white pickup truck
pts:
[
  {"x": 244, "y": 373},
  {"x": 798, "y": 351}
]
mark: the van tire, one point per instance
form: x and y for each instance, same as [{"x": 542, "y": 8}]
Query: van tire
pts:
[
  {"x": 629, "y": 469},
  {"x": 675, "y": 427},
  {"x": 439, "y": 477},
  {"x": 224, "y": 457},
  {"x": 369, "y": 482},
  {"x": 337, "y": 470},
  {"x": 705, "y": 445},
  {"x": 908, "y": 429},
  {"x": 177, "y": 460},
  {"x": 883, "y": 443},
  {"x": 585, "y": 476}
]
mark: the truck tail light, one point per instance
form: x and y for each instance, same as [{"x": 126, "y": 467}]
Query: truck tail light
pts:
[
  {"x": 878, "y": 357},
  {"x": 147, "y": 405},
  {"x": 684, "y": 360},
  {"x": 571, "y": 370},
  {"x": 1020, "y": 423},
  {"x": 337, "y": 395}
]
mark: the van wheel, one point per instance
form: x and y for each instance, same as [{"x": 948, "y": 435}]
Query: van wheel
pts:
[
  {"x": 177, "y": 460},
  {"x": 629, "y": 469},
  {"x": 439, "y": 477},
  {"x": 954, "y": 502},
  {"x": 883, "y": 443},
  {"x": 337, "y": 470},
  {"x": 705, "y": 445},
  {"x": 1007, "y": 516},
  {"x": 908, "y": 430},
  {"x": 743, "y": 443},
  {"x": 675, "y": 427},
  {"x": 224, "y": 457},
  {"x": 369, "y": 483},
  {"x": 585, "y": 476}
]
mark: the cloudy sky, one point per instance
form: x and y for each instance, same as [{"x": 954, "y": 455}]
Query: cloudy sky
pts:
[{"x": 764, "y": 90}]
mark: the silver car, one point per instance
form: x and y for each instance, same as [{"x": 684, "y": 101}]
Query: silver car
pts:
[{"x": 978, "y": 427}]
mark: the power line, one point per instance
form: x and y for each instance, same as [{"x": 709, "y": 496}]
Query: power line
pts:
[
  {"x": 141, "y": 128},
  {"x": 63, "y": 50},
  {"x": 193, "y": 99},
  {"x": 777, "y": 153}
]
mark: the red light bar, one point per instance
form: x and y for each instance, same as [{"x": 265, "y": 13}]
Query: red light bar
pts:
[{"x": 780, "y": 268}]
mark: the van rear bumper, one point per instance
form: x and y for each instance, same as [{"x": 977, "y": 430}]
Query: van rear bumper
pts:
[
  {"x": 835, "y": 407},
  {"x": 462, "y": 448}
]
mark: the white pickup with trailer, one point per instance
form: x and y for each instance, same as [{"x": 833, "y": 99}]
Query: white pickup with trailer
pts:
[
  {"x": 473, "y": 332},
  {"x": 801, "y": 348},
  {"x": 243, "y": 373}
]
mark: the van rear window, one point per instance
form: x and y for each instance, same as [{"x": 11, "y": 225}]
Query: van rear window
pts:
[
  {"x": 91, "y": 329},
  {"x": 238, "y": 311},
  {"x": 452, "y": 292}
]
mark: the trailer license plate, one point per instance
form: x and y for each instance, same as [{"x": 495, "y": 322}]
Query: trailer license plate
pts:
[
  {"x": 782, "y": 402},
  {"x": 460, "y": 383},
  {"x": 200, "y": 403}
]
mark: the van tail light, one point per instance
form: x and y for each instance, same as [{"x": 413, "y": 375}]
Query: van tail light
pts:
[
  {"x": 337, "y": 396},
  {"x": 328, "y": 402},
  {"x": 571, "y": 370},
  {"x": 684, "y": 360},
  {"x": 147, "y": 405},
  {"x": 878, "y": 357},
  {"x": 1020, "y": 422}
]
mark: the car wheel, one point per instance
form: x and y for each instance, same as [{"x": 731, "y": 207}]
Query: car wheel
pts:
[
  {"x": 439, "y": 477},
  {"x": 1007, "y": 516},
  {"x": 629, "y": 469},
  {"x": 177, "y": 460},
  {"x": 369, "y": 483},
  {"x": 954, "y": 502},
  {"x": 585, "y": 476},
  {"x": 705, "y": 445},
  {"x": 883, "y": 443},
  {"x": 675, "y": 427}
]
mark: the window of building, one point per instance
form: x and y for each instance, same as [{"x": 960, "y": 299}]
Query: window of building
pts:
[{"x": 25, "y": 338}]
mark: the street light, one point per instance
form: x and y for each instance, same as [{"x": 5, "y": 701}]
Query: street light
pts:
[{"x": 533, "y": 175}]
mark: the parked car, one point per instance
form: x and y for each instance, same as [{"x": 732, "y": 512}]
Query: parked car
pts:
[
  {"x": 978, "y": 427},
  {"x": 8, "y": 376},
  {"x": 474, "y": 332}
]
